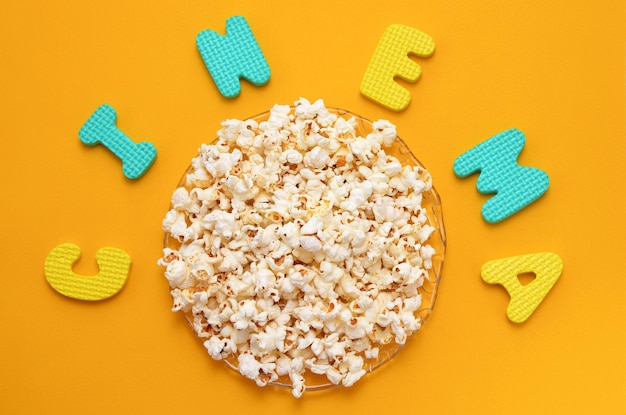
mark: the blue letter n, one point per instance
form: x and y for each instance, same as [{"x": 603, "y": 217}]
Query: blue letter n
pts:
[{"x": 233, "y": 56}]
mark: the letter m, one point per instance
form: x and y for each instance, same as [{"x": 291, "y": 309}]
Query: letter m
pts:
[{"x": 514, "y": 186}]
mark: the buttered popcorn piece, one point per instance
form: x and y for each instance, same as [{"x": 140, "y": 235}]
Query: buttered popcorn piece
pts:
[{"x": 301, "y": 245}]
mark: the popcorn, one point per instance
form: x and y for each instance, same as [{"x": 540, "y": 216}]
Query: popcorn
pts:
[
  {"x": 291, "y": 156},
  {"x": 355, "y": 370},
  {"x": 261, "y": 373},
  {"x": 301, "y": 246},
  {"x": 317, "y": 158},
  {"x": 310, "y": 243},
  {"x": 178, "y": 273}
]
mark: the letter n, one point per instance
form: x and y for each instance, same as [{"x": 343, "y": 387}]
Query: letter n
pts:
[{"x": 233, "y": 56}]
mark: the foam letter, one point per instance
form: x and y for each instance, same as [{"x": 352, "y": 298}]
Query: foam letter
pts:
[
  {"x": 496, "y": 159},
  {"x": 233, "y": 56},
  {"x": 114, "y": 267},
  {"x": 547, "y": 268},
  {"x": 100, "y": 129},
  {"x": 391, "y": 59}
]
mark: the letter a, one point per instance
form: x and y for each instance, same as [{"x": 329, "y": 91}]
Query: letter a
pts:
[
  {"x": 547, "y": 268},
  {"x": 234, "y": 56},
  {"x": 391, "y": 59},
  {"x": 496, "y": 159}
]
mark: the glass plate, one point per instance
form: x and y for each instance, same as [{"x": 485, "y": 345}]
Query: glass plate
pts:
[{"x": 431, "y": 202}]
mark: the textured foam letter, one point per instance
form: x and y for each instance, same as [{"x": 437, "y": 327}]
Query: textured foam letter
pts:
[
  {"x": 100, "y": 129},
  {"x": 391, "y": 59},
  {"x": 496, "y": 159},
  {"x": 233, "y": 56},
  {"x": 547, "y": 268},
  {"x": 114, "y": 266}
]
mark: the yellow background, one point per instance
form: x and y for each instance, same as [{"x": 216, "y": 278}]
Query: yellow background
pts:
[{"x": 554, "y": 69}]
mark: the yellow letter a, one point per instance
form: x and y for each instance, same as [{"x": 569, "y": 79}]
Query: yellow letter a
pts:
[{"x": 547, "y": 268}]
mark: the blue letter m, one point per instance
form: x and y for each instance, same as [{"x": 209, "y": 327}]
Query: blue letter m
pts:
[{"x": 496, "y": 159}]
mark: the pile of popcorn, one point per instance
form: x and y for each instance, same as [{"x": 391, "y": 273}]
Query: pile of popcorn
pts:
[{"x": 301, "y": 246}]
